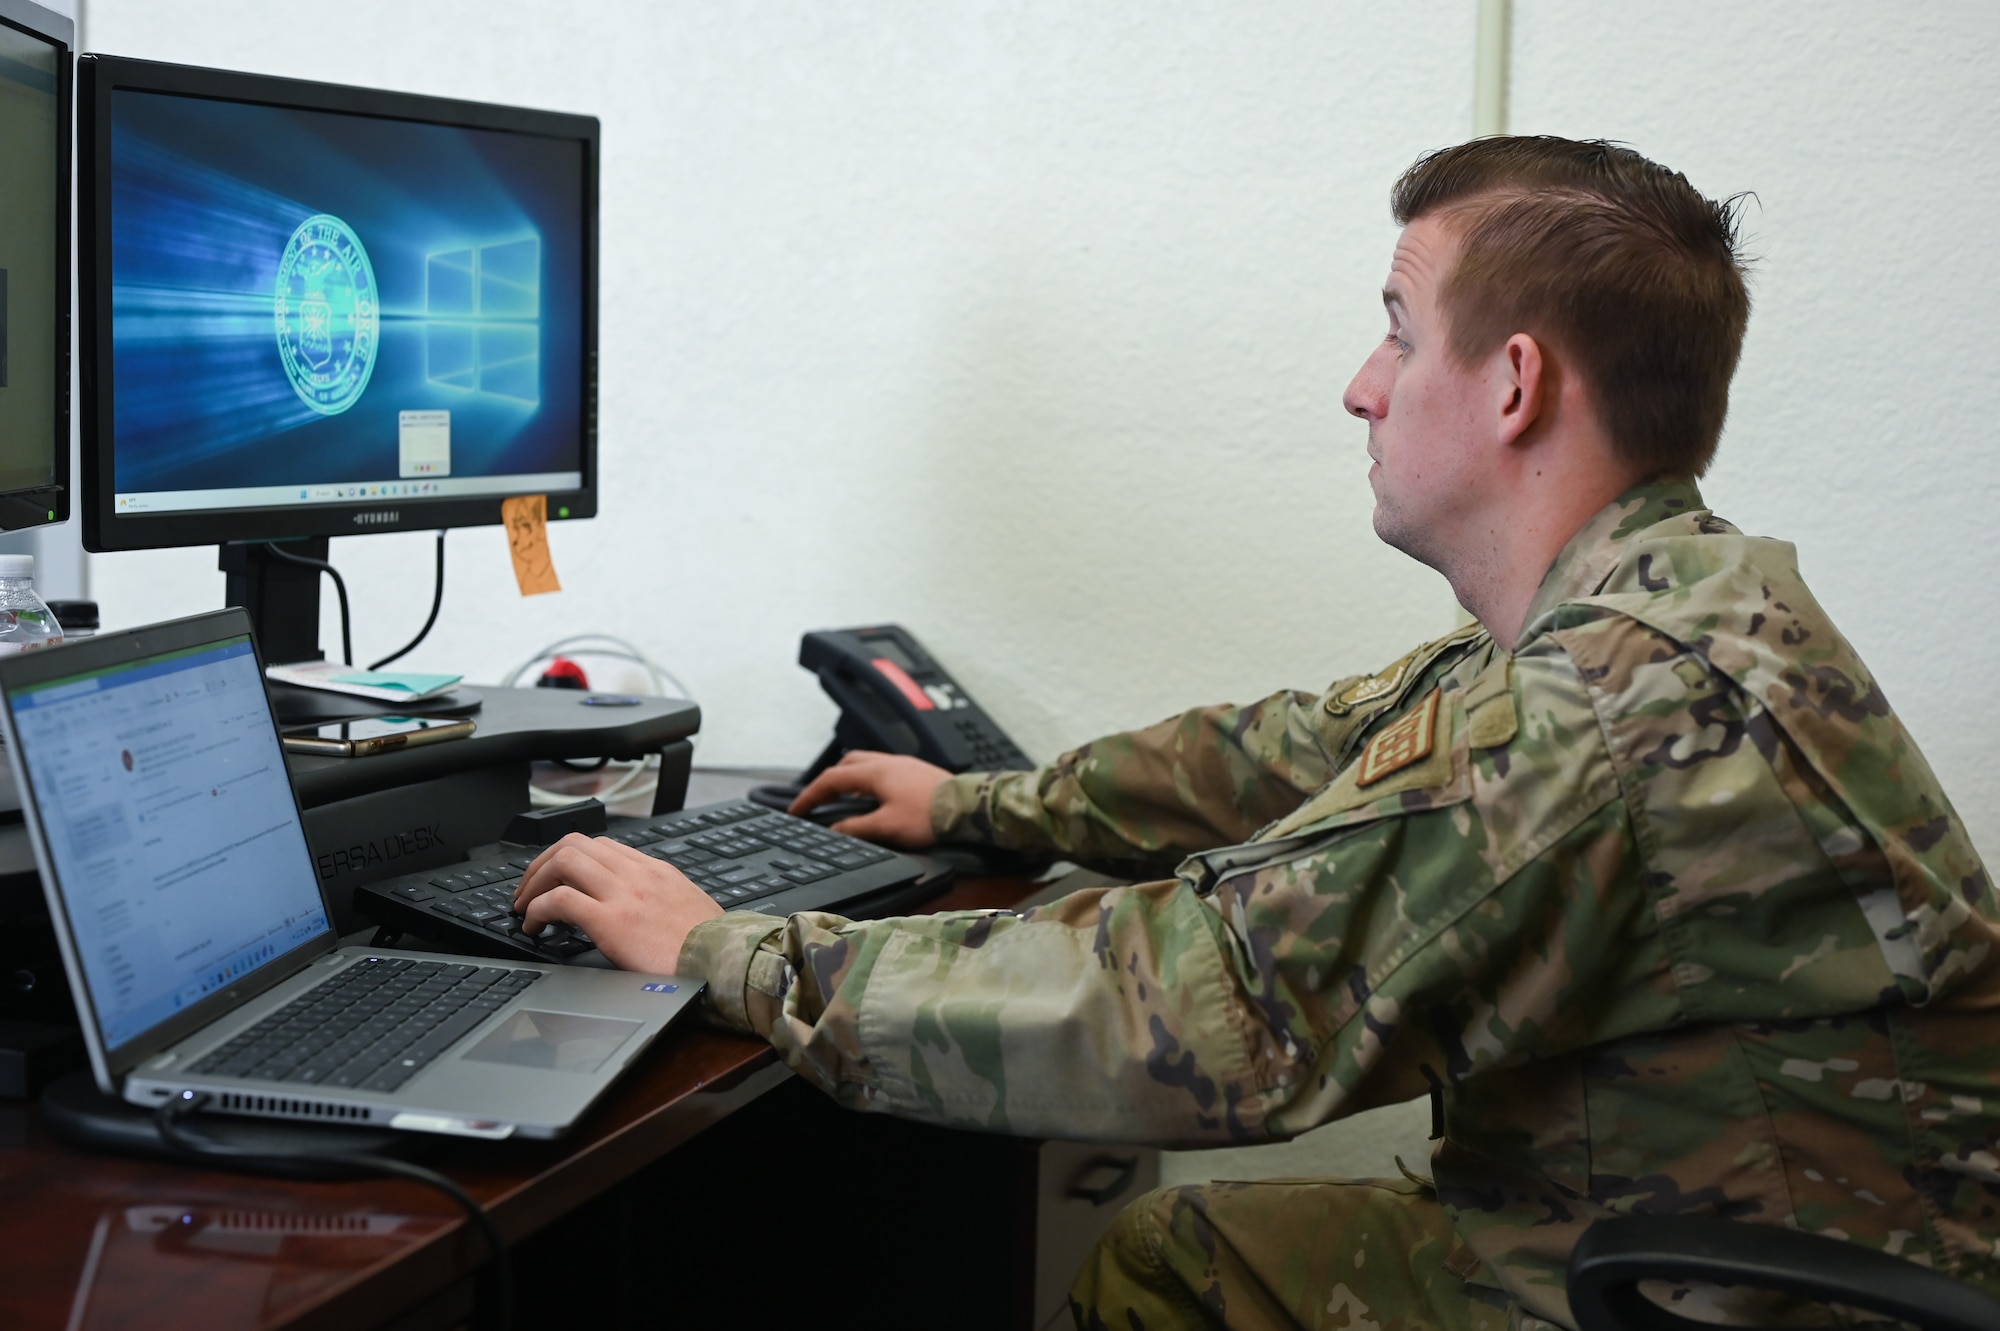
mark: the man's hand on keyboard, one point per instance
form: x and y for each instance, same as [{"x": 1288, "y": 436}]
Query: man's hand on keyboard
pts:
[
  {"x": 902, "y": 786},
  {"x": 637, "y": 910}
]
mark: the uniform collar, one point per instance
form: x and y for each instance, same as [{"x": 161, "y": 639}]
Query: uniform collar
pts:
[{"x": 1599, "y": 546}]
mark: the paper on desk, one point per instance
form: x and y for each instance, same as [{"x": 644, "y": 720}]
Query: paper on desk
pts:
[
  {"x": 382, "y": 685},
  {"x": 527, "y": 521}
]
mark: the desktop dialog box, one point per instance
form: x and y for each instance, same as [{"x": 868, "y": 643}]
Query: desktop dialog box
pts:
[{"x": 424, "y": 444}]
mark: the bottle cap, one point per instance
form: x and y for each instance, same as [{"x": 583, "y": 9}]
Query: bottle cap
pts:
[
  {"x": 17, "y": 566},
  {"x": 75, "y": 615}
]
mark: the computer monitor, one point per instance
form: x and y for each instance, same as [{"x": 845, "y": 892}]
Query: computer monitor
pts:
[
  {"x": 34, "y": 264},
  {"x": 312, "y": 310}
]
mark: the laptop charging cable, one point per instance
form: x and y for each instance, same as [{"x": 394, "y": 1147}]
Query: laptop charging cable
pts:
[{"x": 171, "y": 1115}]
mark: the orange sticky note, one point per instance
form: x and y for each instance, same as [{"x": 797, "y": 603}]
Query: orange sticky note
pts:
[{"x": 527, "y": 520}]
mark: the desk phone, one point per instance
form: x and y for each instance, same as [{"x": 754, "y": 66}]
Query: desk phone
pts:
[{"x": 895, "y": 698}]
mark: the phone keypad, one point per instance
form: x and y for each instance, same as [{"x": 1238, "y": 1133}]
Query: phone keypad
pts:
[{"x": 988, "y": 753}]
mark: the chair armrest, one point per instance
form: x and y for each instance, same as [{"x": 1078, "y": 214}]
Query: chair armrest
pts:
[{"x": 1615, "y": 1255}]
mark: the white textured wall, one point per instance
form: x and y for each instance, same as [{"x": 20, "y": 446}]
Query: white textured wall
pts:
[
  {"x": 1026, "y": 324},
  {"x": 1023, "y": 324}
]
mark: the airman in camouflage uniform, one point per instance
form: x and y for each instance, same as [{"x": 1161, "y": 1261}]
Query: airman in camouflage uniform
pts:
[
  {"x": 1654, "y": 896},
  {"x": 1671, "y": 912}
]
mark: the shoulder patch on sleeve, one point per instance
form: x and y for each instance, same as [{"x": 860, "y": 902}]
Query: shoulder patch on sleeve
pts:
[
  {"x": 1361, "y": 691},
  {"x": 1492, "y": 718},
  {"x": 1425, "y": 776},
  {"x": 1408, "y": 740}
]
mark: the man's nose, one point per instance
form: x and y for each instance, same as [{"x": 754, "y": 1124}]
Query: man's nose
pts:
[{"x": 1365, "y": 396}]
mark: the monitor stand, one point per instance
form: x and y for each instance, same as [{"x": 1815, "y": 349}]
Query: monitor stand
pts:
[{"x": 282, "y": 599}]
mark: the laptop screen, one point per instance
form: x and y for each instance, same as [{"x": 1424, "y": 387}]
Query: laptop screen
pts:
[{"x": 170, "y": 821}]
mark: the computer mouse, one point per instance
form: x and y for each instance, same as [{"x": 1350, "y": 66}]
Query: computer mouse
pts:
[{"x": 847, "y": 806}]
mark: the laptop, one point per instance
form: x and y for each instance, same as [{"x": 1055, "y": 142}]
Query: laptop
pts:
[{"x": 199, "y": 942}]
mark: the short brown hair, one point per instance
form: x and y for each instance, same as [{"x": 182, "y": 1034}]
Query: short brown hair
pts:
[{"x": 1613, "y": 260}]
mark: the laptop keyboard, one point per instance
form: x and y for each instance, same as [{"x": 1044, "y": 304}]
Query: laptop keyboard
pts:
[{"x": 371, "y": 1027}]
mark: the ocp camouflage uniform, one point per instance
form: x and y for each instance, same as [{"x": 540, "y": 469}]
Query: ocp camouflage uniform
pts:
[{"x": 1665, "y": 904}]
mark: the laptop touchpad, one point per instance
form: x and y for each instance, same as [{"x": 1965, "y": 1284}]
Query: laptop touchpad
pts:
[{"x": 563, "y": 1041}]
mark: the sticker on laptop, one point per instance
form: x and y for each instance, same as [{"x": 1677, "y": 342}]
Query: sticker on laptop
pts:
[{"x": 661, "y": 988}]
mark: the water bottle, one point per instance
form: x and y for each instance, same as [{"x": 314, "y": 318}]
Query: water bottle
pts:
[{"x": 24, "y": 621}]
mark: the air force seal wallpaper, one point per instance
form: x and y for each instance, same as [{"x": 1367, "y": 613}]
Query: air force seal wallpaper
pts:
[
  {"x": 287, "y": 284},
  {"x": 329, "y": 320}
]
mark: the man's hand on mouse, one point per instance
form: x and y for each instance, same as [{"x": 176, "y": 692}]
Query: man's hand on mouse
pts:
[
  {"x": 637, "y": 910},
  {"x": 902, "y": 786}
]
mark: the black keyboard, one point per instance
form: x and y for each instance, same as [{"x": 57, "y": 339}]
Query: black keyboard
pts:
[
  {"x": 745, "y": 857},
  {"x": 373, "y": 1026}
]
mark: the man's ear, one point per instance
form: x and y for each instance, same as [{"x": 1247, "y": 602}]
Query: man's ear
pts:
[{"x": 1524, "y": 385}]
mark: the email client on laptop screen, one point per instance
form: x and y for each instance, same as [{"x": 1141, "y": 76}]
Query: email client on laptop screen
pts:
[
  {"x": 199, "y": 942},
  {"x": 136, "y": 769}
]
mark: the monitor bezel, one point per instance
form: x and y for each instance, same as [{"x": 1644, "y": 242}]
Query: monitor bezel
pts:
[
  {"x": 44, "y": 505},
  {"x": 99, "y": 78}
]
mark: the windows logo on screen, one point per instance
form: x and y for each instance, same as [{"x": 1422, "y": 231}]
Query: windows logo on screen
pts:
[{"x": 483, "y": 311}]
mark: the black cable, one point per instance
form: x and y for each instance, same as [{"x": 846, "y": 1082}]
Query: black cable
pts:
[
  {"x": 437, "y": 599},
  {"x": 339, "y": 585},
  {"x": 170, "y": 1112}
]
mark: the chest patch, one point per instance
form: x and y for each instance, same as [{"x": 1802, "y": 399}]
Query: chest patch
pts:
[{"x": 1408, "y": 740}]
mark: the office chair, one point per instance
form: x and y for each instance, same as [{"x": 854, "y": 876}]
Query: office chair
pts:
[{"x": 1615, "y": 1255}]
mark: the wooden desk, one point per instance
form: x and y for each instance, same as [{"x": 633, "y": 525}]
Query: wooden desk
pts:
[{"x": 97, "y": 1243}]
